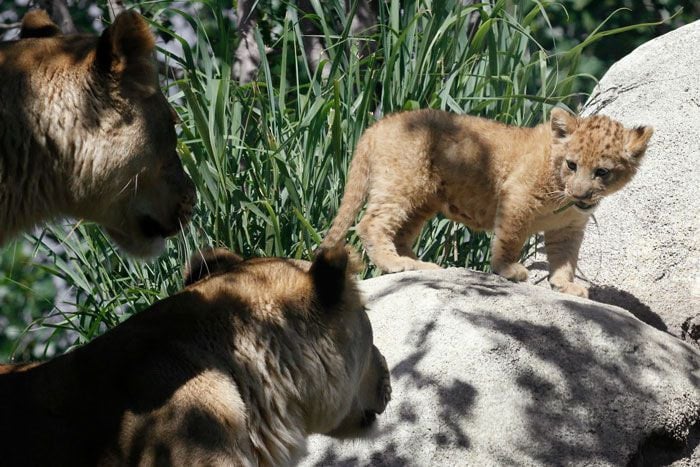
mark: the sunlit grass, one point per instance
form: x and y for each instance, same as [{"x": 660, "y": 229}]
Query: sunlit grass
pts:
[{"x": 270, "y": 158}]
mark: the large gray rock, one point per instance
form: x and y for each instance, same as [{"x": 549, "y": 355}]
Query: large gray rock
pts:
[
  {"x": 644, "y": 252},
  {"x": 487, "y": 372}
]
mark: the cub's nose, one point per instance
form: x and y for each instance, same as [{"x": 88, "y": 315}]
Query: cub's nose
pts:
[{"x": 583, "y": 195}]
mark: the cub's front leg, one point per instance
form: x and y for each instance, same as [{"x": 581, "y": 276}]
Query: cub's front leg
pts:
[
  {"x": 512, "y": 226},
  {"x": 562, "y": 248}
]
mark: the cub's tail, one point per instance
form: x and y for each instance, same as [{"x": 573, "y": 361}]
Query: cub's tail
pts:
[{"x": 356, "y": 189}]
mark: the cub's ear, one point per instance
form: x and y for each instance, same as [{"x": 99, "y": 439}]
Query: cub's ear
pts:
[
  {"x": 329, "y": 274},
  {"x": 563, "y": 123},
  {"x": 636, "y": 141},
  {"x": 207, "y": 262},
  {"x": 125, "y": 52}
]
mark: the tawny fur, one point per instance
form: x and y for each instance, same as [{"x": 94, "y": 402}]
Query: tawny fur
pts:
[
  {"x": 86, "y": 133},
  {"x": 489, "y": 176},
  {"x": 237, "y": 369}
]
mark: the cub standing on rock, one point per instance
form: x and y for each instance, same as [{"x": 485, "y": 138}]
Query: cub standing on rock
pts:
[
  {"x": 237, "y": 369},
  {"x": 86, "y": 132},
  {"x": 490, "y": 176}
]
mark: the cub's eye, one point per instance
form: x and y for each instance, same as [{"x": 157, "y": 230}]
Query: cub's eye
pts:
[
  {"x": 571, "y": 165},
  {"x": 601, "y": 172}
]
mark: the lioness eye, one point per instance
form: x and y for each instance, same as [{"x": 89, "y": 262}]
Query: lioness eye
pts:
[
  {"x": 571, "y": 165},
  {"x": 601, "y": 172}
]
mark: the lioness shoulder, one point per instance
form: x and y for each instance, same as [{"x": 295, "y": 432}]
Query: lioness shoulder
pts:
[
  {"x": 237, "y": 369},
  {"x": 489, "y": 176},
  {"x": 85, "y": 132}
]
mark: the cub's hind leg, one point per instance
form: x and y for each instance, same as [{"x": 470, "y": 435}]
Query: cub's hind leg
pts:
[
  {"x": 379, "y": 230},
  {"x": 406, "y": 236}
]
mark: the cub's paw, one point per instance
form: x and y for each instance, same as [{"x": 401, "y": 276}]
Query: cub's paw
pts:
[
  {"x": 407, "y": 264},
  {"x": 425, "y": 265},
  {"x": 515, "y": 272},
  {"x": 572, "y": 288}
]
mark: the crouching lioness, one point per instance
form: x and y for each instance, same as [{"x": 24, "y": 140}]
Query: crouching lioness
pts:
[
  {"x": 237, "y": 369},
  {"x": 85, "y": 132}
]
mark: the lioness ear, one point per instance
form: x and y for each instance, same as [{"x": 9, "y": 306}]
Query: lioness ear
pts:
[
  {"x": 636, "y": 141},
  {"x": 37, "y": 23},
  {"x": 207, "y": 262},
  {"x": 328, "y": 272},
  {"x": 563, "y": 123},
  {"x": 125, "y": 51}
]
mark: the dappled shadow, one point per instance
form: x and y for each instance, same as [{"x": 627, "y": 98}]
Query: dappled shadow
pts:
[
  {"x": 656, "y": 452},
  {"x": 455, "y": 399},
  {"x": 136, "y": 367},
  {"x": 568, "y": 420},
  {"x": 583, "y": 383},
  {"x": 387, "y": 457},
  {"x": 475, "y": 283},
  {"x": 690, "y": 330},
  {"x": 613, "y": 296}
]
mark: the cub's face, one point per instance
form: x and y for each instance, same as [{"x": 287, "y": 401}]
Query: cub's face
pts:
[
  {"x": 345, "y": 379},
  {"x": 126, "y": 174},
  {"x": 595, "y": 156}
]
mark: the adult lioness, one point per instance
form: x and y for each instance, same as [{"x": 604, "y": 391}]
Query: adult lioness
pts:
[
  {"x": 85, "y": 132},
  {"x": 235, "y": 370},
  {"x": 489, "y": 176}
]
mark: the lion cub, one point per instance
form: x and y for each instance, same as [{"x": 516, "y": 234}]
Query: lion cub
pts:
[
  {"x": 237, "y": 369},
  {"x": 489, "y": 176}
]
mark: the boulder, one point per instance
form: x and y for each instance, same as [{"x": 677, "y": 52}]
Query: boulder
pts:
[
  {"x": 643, "y": 251},
  {"x": 487, "y": 372}
]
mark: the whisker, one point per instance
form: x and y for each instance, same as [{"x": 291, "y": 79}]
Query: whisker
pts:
[{"x": 124, "y": 188}]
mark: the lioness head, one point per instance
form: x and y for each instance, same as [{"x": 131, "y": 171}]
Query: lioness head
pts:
[
  {"x": 595, "y": 156},
  {"x": 341, "y": 378},
  {"x": 100, "y": 110}
]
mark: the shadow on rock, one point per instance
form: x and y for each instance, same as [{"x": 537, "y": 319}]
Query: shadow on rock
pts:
[
  {"x": 690, "y": 330},
  {"x": 387, "y": 457},
  {"x": 657, "y": 451},
  {"x": 488, "y": 286},
  {"x": 456, "y": 399},
  {"x": 613, "y": 296},
  {"x": 571, "y": 404}
]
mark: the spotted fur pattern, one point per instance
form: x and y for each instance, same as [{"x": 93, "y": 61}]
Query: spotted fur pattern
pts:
[{"x": 489, "y": 176}]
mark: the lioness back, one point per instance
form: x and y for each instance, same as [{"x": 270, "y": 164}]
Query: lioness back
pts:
[
  {"x": 489, "y": 176},
  {"x": 237, "y": 369},
  {"x": 85, "y": 132}
]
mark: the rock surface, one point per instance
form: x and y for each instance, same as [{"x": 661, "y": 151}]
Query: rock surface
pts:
[
  {"x": 644, "y": 252},
  {"x": 486, "y": 372}
]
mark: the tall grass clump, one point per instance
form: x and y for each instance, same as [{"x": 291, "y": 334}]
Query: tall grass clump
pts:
[{"x": 270, "y": 158}]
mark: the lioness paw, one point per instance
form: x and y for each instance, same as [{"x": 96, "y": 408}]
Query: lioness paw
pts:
[
  {"x": 572, "y": 288},
  {"x": 515, "y": 272}
]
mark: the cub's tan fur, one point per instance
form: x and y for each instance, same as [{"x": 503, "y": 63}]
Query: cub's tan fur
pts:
[
  {"x": 85, "y": 132},
  {"x": 237, "y": 369},
  {"x": 489, "y": 176}
]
